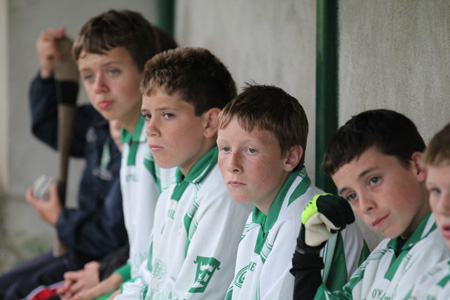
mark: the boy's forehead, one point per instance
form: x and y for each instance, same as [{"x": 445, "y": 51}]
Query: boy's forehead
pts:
[
  {"x": 370, "y": 159},
  {"x": 237, "y": 124},
  {"x": 159, "y": 99},
  {"x": 117, "y": 54}
]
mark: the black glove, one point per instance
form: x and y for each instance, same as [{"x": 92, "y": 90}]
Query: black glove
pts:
[{"x": 323, "y": 216}]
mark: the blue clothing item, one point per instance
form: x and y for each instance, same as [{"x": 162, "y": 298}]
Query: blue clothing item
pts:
[{"x": 96, "y": 227}]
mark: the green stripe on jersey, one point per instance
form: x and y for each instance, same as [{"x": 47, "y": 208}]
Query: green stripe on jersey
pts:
[
  {"x": 268, "y": 221},
  {"x": 133, "y": 140},
  {"x": 196, "y": 174},
  {"x": 337, "y": 274},
  {"x": 151, "y": 166},
  {"x": 402, "y": 252}
]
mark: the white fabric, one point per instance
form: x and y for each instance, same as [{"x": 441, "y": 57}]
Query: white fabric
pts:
[
  {"x": 256, "y": 279},
  {"x": 382, "y": 276},
  {"x": 214, "y": 232},
  {"x": 140, "y": 192}
]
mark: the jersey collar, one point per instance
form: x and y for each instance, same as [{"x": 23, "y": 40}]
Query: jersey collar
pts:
[
  {"x": 137, "y": 135},
  {"x": 268, "y": 221},
  {"x": 196, "y": 174},
  {"x": 426, "y": 226}
]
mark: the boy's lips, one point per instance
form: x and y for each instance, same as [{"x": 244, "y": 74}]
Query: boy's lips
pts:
[
  {"x": 155, "y": 148},
  {"x": 105, "y": 104},
  {"x": 235, "y": 183},
  {"x": 445, "y": 231},
  {"x": 380, "y": 221}
]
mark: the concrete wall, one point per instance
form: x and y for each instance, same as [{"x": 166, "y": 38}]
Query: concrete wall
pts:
[
  {"x": 396, "y": 55},
  {"x": 265, "y": 41},
  {"x": 22, "y": 157}
]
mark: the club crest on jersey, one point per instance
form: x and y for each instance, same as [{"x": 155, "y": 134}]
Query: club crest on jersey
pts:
[
  {"x": 159, "y": 271},
  {"x": 206, "y": 266},
  {"x": 240, "y": 277}
]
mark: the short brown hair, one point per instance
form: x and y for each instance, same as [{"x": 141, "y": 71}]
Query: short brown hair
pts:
[
  {"x": 125, "y": 28},
  {"x": 195, "y": 74},
  {"x": 269, "y": 108},
  {"x": 438, "y": 151}
]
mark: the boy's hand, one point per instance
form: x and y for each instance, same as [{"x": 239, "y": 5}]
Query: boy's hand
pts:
[
  {"x": 47, "y": 49},
  {"x": 79, "y": 281},
  {"x": 48, "y": 210},
  {"x": 323, "y": 216}
]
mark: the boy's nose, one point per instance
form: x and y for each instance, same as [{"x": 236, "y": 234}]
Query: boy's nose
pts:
[
  {"x": 150, "y": 128},
  {"x": 99, "y": 85},
  {"x": 366, "y": 202},
  {"x": 234, "y": 165}
]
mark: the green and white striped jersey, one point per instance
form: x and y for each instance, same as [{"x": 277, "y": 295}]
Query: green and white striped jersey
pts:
[
  {"x": 393, "y": 267},
  {"x": 194, "y": 239},
  {"x": 140, "y": 185},
  {"x": 433, "y": 285},
  {"x": 268, "y": 243}
]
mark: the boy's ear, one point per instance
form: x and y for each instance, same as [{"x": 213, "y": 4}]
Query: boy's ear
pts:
[
  {"x": 293, "y": 157},
  {"x": 418, "y": 168},
  {"x": 211, "y": 122}
]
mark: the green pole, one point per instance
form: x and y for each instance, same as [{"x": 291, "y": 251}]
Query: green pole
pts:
[
  {"x": 165, "y": 15},
  {"x": 326, "y": 84}
]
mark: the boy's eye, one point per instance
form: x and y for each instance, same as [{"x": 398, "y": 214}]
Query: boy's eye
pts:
[
  {"x": 113, "y": 71},
  {"x": 168, "y": 116},
  {"x": 147, "y": 117},
  {"x": 351, "y": 197},
  {"x": 225, "y": 149},
  {"x": 88, "y": 77},
  {"x": 374, "y": 180},
  {"x": 251, "y": 150},
  {"x": 435, "y": 191}
]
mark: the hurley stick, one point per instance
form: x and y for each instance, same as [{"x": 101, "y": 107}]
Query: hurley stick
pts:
[{"x": 66, "y": 78}]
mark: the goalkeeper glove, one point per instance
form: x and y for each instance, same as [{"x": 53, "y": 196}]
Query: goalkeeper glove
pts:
[{"x": 324, "y": 215}]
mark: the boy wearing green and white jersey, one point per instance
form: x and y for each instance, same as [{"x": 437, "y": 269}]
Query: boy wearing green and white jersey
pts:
[
  {"x": 262, "y": 140},
  {"x": 435, "y": 284},
  {"x": 142, "y": 180},
  {"x": 197, "y": 226},
  {"x": 111, "y": 50},
  {"x": 374, "y": 160}
]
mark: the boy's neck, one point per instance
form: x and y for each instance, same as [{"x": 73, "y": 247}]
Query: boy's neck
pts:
[
  {"x": 423, "y": 210},
  {"x": 129, "y": 123},
  {"x": 208, "y": 146},
  {"x": 265, "y": 207}
]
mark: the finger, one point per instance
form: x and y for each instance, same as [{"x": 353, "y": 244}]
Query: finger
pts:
[
  {"x": 54, "y": 197},
  {"x": 60, "y": 31}
]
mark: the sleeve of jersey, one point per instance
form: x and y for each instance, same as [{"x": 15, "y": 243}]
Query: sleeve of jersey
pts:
[
  {"x": 276, "y": 281},
  {"x": 209, "y": 266},
  {"x": 96, "y": 230},
  {"x": 124, "y": 272},
  {"x": 44, "y": 116},
  {"x": 351, "y": 290},
  {"x": 342, "y": 255}
]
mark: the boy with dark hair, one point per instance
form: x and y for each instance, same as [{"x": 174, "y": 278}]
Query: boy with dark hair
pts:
[
  {"x": 374, "y": 160},
  {"x": 197, "y": 227},
  {"x": 434, "y": 284},
  {"x": 262, "y": 141}
]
